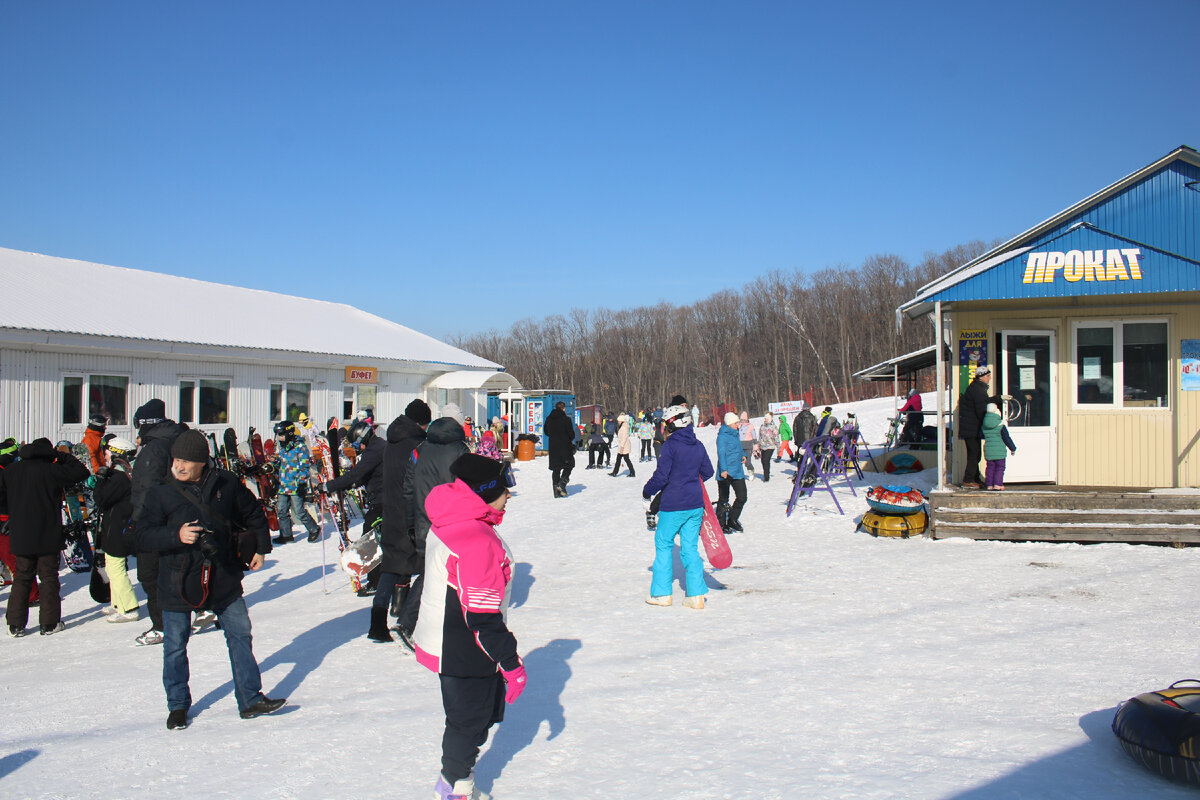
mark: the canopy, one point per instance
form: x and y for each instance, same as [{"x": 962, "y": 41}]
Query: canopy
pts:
[{"x": 475, "y": 379}]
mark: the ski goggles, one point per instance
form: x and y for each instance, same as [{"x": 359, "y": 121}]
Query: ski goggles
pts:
[{"x": 509, "y": 479}]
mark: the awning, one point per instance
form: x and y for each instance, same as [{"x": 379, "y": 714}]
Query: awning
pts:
[
  {"x": 901, "y": 365},
  {"x": 475, "y": 379}
]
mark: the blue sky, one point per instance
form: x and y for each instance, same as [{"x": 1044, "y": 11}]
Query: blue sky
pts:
[{"x": 456, "y": 166}]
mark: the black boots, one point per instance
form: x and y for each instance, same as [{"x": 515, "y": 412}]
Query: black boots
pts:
[
  {"x": 379, "y": 630},
  {"x": 560, "y": 490},
  {"x": 399, "y": 595},
  {"x": 722, "y": 510}
]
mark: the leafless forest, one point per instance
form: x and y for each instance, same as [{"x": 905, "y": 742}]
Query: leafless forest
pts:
[{"x": 785, "y": 335}]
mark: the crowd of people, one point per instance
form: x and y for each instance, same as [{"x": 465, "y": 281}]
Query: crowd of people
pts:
[{"x": 433, "y": 492}]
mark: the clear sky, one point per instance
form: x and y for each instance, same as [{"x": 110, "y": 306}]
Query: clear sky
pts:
[{"x": 456, "y": 166}]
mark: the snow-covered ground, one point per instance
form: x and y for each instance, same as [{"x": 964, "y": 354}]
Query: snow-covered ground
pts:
[{"x": 827, "y": 664}]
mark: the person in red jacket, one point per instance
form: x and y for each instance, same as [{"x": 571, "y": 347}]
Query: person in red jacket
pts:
[
  {"x": 462, "y": 633},
  {"x": 93, "y": 440}
]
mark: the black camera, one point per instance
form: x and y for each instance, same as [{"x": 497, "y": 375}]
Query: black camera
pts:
[{"x": 207, "y": 543}]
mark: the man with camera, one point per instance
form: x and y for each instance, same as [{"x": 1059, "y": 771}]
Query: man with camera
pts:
[{"x": 193, "y": 522}]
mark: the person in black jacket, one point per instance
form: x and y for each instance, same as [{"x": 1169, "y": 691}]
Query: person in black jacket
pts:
[
  {"x": 31, "y": 493},
  {"x": 111, "y": 489},
  {"x": 367, "y": 471},
  {"x": 971, "y": 408},
  {"x": 190, "y": 522},
  {"x": 429, "y": 466},
  {"x": 399, "y": 563},
  {"x": 560, "y": 437},
  {"x": 156, "y": 434}
]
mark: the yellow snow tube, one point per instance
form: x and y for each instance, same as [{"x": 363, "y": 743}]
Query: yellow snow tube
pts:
[{"x": 900, "y": 525}]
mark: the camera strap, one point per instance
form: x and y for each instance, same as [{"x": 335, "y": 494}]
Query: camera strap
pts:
[{"x": 206, "y": 565}]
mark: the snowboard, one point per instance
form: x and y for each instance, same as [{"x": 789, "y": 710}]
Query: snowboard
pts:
[
  {"x": 362, "y": 555},
  {"x": 339, "y": 504},
  {"x": 229, "y": 453},
  {"x": 716, "y": 547},
  {"x": 264, "y": 477},
  {"x": 77, "y": 550}
]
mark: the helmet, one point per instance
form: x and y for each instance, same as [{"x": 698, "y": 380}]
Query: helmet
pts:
[
  {"x": 677, "y": 417},
  {"x": 285, "y": 430},
  {"x": 304, "y": 420},
  {"x": 121, "y": 447},
  {"x": 360, "y": 433}
]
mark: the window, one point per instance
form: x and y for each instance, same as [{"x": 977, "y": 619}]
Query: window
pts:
[
  {"x": 72, "y": 400},
  {"x": 204, "y": 401},
  {"x": 105, "y": 395},
  {"x": 358, "y": 398},
  {"x": 288, "y": 400},
  {"x": 1121, "y": 365},
  {"x": 187, "y": 401}
]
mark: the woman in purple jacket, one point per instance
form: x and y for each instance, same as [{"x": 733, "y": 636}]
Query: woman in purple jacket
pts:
[{"x": 679, "y": 475}]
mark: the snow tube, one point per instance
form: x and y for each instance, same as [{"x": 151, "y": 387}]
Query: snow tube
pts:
[
  {"x": 895, "y": 499},
  {"x": 1161, "y": 730},
  {"x": 900, "y": 463},
  {"x": 901, "y": 525}
]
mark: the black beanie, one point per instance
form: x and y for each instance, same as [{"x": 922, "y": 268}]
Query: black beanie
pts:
[
  {"x": 191, "y": 446},
  {"x": 98, "y": 422},
  {"x": 484, "y": 475},
  {"x": 678, "y": 400},
  {"x": 418, "y": 412},
  {"x": 152, "y": 412}
]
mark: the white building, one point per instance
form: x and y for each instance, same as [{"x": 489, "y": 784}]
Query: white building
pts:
[{"x": 78, "y": 338}]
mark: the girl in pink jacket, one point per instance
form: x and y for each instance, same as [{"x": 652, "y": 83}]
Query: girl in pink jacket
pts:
[{"x": 462, "y": 633}]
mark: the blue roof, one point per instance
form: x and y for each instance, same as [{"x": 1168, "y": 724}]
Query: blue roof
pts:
[{"x": 1140, "y": 235}]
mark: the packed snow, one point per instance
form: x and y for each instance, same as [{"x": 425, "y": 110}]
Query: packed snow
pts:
[{"x": 828, "y": 663}]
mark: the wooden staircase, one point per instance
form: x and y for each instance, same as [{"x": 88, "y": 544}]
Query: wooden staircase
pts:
[{"x": 1064, "y": 514}]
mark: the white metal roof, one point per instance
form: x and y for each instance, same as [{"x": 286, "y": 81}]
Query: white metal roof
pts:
[{"x": 45, "y": 293}]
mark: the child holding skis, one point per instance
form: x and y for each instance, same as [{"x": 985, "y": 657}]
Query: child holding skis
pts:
[
  {"x": 462, "y": 634},
  {"x": 996, "y": 445}
]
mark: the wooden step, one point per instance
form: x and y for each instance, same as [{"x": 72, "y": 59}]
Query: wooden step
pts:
[
  {"x": 1037, "y": 532},
  {"x": 1091, "y": 516},
  {"x": 1065, "y": 500}
]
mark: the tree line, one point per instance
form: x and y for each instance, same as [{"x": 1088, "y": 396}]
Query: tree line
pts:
[{"x": 785, "y": 335}]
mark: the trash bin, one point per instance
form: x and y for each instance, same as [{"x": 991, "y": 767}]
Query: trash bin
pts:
[{"x": 525, "y": 449}]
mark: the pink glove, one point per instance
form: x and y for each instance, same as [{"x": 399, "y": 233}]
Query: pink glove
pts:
[{"x": 515, "y": 678}]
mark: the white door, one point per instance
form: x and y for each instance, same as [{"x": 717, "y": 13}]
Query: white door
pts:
[{"x": 1027, "y": 384}]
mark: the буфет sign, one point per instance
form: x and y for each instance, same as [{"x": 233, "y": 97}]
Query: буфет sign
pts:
[{"x": 362, "y": 375}]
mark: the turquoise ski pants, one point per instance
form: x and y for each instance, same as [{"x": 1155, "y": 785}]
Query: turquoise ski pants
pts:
[{"x": 685, "y": 525}]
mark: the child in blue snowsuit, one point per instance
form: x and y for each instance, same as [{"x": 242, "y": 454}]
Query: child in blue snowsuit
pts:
[{"x": 679, "y": 475}]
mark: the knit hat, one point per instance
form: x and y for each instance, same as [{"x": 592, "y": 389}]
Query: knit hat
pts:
[
  {"x": 190, "y": 446},
  {"x": 151, "y": 413},
  {"x": 731, "y": 418},
  {"x": 454, "y": 412},
  {"x": 981, "y": 371},
  {"x": 992, "y": 408},
  {"x": 418, "y": 411},
  {"x": 97, "y": 422},
  {"x": 486, "y": 476},
  {"x": 678, "y": 400}
]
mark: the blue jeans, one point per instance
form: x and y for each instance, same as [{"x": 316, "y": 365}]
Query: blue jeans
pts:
[
  {"x": 685, "y": 525},
  {"x": 235, "y": 622},
  {"x": 292, "y": 505}
]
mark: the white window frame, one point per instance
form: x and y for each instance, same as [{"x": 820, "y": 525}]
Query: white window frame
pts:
[
  {"x": 283, "y": 384},
  {"x": 195, "y": 379},
  {"x": 86, "y": 390},
  {"x": 1118, "y": 328}
]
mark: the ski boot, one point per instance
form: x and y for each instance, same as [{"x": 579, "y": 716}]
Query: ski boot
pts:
[{"x": 722, "y": 510}]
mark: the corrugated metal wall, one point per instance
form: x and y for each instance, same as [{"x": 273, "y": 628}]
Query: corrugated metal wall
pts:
[
  {"x": 1136, "y": 447},
  {"x": 31, "y": 389}
]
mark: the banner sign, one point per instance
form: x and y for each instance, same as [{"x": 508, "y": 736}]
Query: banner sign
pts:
[
  {"x": 1084, "y": 265},
  {"x": 1190, "y": 365},
  {"x": 533, "y": 419},
  {"x": 789, "y": 407},
  {"x": 972, "y": 354},
  {"x": 362, "y": 375}
]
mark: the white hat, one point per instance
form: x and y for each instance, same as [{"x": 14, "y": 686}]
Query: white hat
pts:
[
  {"x": 731, "y": 418},
  {"x": 981, "y": 371},
  {"x": 454, "y": 412}
]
